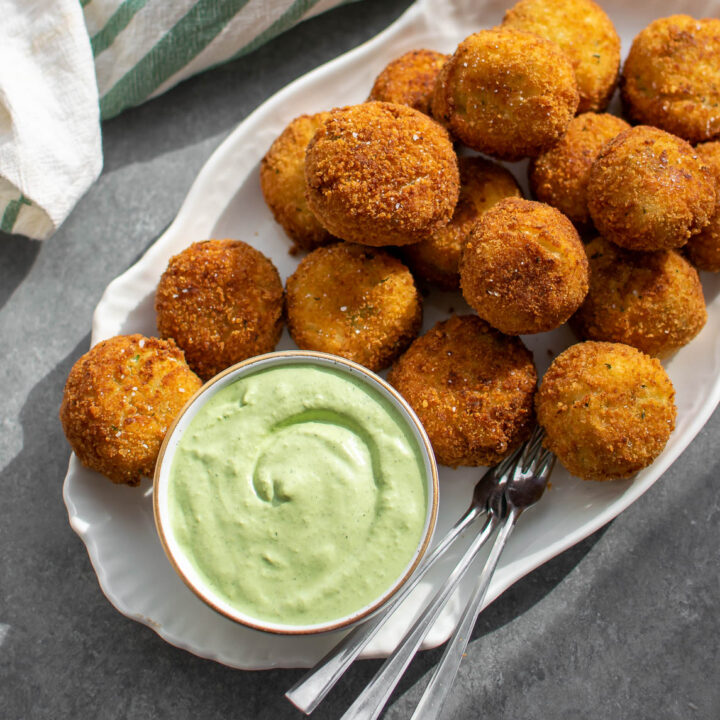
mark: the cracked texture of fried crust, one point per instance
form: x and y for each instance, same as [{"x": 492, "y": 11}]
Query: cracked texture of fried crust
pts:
[
  {"x": 652, "y": 301},
  {"x": 409, "y": 79},
  {"x": 354, "y": 301},
  {"x": 671, "y": 77},
  {"x": 505, "y": 93},
  {"x": 649, "y": 190},
  {"x": 436, "y": 258},
  {"x": 560, "y": 175},
  {"x": 282, "y": 180},
  {"x": 472, "y": 388},
  {"x": 585, "y": 33},
  {"x": 120, "y": 398},
  {"x": 703, "y": 249},
  {"x": 222, "y": 302},
  {"x": 381, "y": 173},
  {"x": 607, "y": 409},
  {"x": 524, "y": 269}
]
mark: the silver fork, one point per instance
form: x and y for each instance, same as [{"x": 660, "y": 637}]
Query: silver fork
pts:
[
  {"x": 524, "y": 488},
  {"x": 312, "y": 688},
  {"x": 519, "y": 487},
  {"x": 488, "y": 496}
]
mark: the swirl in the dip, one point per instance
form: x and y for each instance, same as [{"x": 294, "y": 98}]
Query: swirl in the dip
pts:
[{"x": 298, "y": 494}]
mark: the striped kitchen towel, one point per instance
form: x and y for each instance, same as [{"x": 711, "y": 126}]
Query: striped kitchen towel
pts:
[{"x": 67, "y": 64}]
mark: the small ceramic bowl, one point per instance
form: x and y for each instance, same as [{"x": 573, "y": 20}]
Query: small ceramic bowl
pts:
[{"x": 178, "y": 557}]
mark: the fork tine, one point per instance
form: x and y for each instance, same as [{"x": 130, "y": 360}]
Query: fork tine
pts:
[
  {"x": 532, "y": 447},
  {"x": 507, "y": 469},
  {"x": 545, "y": 463},
  {"x": 537, "y": 460},
  {"x": 509, "y": 462}
]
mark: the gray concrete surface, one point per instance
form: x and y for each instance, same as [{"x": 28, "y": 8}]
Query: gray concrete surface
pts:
[{"x": 624, "y": 625}]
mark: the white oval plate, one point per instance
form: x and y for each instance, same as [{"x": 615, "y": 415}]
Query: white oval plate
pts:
[{"x": 116, "y": 523}]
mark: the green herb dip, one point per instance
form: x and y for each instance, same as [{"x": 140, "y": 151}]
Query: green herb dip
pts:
[{"x": 298, "y": 493}]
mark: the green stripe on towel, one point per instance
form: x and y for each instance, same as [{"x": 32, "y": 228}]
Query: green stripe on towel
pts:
[
  {"x": 12, "y": 210},
  {"x": 118, "y": 21},
  {"x": 190, "y": 35},
  {"x": 287, "y": 19}
]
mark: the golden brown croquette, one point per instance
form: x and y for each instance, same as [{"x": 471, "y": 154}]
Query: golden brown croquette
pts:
[
  {"x": 472, "y": 388},
  {"x": 354, "y": 301},
  {"x": 409, "y": 79},
  {"x": 652, "y": 301},
  {"x": 607, "y": 409},
  {"x": 381, "y": 173},
  {"x": 648, "y": 190},
  {"x": 560, "y": 175},
  {"x": 282, "y": 180},
  {"x": 222, "y": 302},
  {"x": 524, "y": 269},
  {"x": 507, "y": 94},
  {"x": 120, "y": 398},
  {"x": 585, "y": 33},
  {"x": 703, "y": 249},
  {"x": 671, "y": 78},
  {"x": 436, "y": 258}
]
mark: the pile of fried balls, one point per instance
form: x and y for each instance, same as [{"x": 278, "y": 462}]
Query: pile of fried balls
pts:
[{"x": 405, "y": 192}]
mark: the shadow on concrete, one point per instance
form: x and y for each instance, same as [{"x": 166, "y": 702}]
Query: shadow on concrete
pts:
[
  {"x": 43, "y": 579},
  {"x": 17, "y": 255}
]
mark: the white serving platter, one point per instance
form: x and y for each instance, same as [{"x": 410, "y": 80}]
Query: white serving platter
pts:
[{"x": 116, "y": 523}]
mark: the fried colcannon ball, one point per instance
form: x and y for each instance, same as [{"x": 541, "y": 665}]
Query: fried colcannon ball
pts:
[
  {"x": 222, "y": 302},
  {"x": 560, "y": 175},
  {"x": 524, "y": 269},
  {"x": 648, "y": 190},
  {"x": 584, "y": 33},
  {"x": 357, "y": 302},
  {"x": 409, "y": 79},
  {"x": 671, "y": 78},
  {"x": 436, "y": 258},
  {"x": 120, "y": 398},
  {"x": 703, "y": 249},
  {"x": 652, "y": 301},
  {"x": 507, "y": 94},
  {"x": 381, "y": 174},
  {"x": 607, "y": 408},
  {"x": 472, "y": 388},
  {"x": 282, "y": 180}
]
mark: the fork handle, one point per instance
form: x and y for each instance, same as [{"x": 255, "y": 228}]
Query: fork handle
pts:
[
  {"x": 433, "y": 699},
  {"x": 372, "y": 699},
  {"x": 312, "y": 688}
]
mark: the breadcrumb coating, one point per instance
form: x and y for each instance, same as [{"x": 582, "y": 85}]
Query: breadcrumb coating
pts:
[
  {"x": 381, "y": 173},
  {"x": 119, "y": 400},
  {"x": 607, "y": 409},
  {"x": 222, "y": 302},
  {"x": 409, "y": 79},
  {"x": 436, "y": 258},
  {"x": 282, "y": 180},
  {"x": 505, "y": 93},
  {"x": 472, "y": 388},
  {"x": 560, "y": 175},
  {"x": 354, "y": 301},
  {"x": 524, "y": 269},
  {"x": 648, "y": 190},
  {"x": 586, "y": 35},
  {"x": 703, "y": 249},
  {"x": 652, "y": 301},
  {"x": 671, "y": 78}
]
